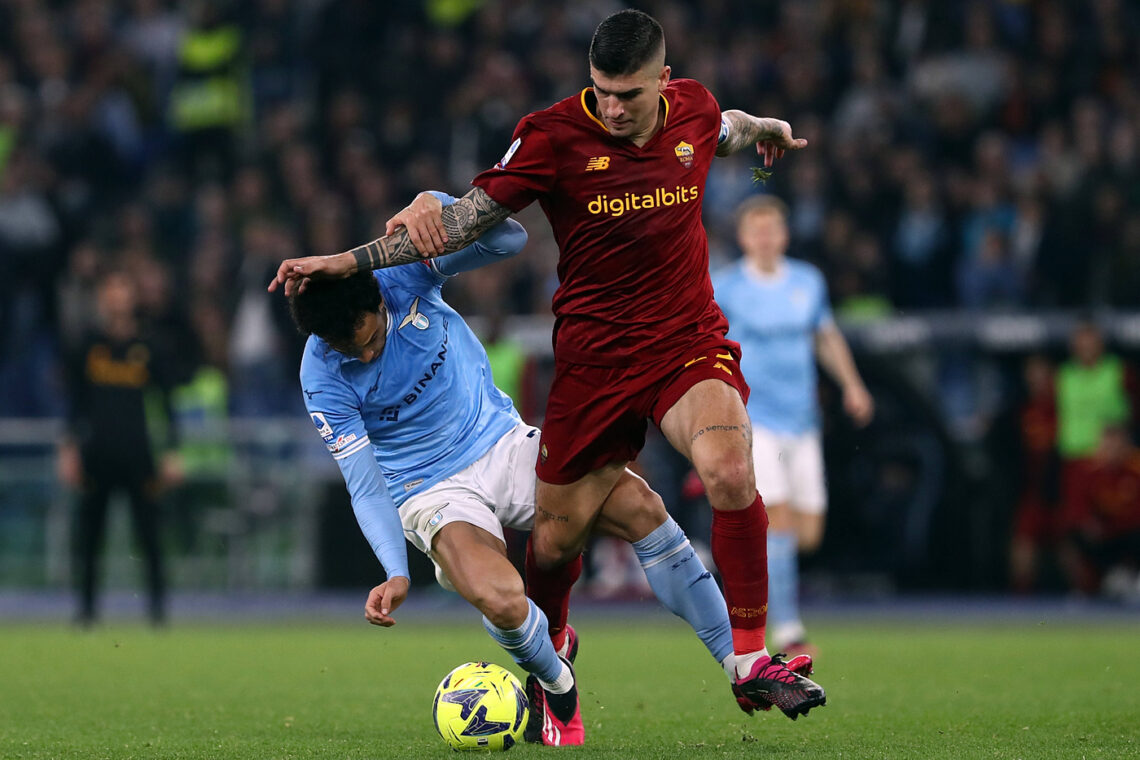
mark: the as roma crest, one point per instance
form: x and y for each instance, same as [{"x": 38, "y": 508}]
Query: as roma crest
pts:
[{"x": 685, "y": 154}]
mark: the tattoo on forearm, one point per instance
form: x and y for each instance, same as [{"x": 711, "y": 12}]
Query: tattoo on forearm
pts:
[
  {"x": 365, "y": 256},
  {"x": 744, "y": 430},
  {"x": 468, "y": 218},
  {"x": 386, "y": 252},
  {"x": 744, "y": 131},
  {"x": 464, "y": 222},
  {"x": 550, "y": 515}
]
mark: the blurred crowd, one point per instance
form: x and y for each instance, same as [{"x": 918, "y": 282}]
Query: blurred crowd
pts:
[
  {"x": 1070, "y": 449},
  {"x": 978, "y": 155},
  {"x": 973, "y": 154}
]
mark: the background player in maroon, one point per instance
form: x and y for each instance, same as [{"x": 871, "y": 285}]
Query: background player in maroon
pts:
[{"x": 620, "y": 170}]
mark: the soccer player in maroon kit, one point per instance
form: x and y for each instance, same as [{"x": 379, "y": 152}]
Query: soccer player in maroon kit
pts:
[{"x": 620, "y": 169}]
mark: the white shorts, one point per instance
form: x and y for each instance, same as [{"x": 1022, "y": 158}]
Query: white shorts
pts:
[
  {"x": 496, "y": 491},
  {"x": 789, "y": 470}
]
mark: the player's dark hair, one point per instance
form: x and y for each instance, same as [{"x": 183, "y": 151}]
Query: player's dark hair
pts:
[
  {"x": 625, "y": 41},
  {"x": 335, "y": 309}
]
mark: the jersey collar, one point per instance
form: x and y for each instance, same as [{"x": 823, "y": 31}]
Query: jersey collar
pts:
[
  {"x": 766, "y": 278},
  {"x": 590, "y": 101}
]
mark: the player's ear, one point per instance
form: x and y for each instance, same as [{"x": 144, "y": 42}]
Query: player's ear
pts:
[{"x": 663, "y": 78}]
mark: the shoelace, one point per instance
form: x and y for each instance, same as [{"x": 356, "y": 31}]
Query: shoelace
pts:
[{"x": 776, "y": 671}]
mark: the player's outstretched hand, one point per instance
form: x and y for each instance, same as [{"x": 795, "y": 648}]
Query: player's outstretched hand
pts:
[
  {"x": 423, "y": 218},
  {"x": 776, "y": 139},
  {"x": 295, "y": 274},
  {"x": 384, "y": 599}
]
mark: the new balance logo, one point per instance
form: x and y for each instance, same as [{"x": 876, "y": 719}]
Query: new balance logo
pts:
[{"x": 598, "y": 163}]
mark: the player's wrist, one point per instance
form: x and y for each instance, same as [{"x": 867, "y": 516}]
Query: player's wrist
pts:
[{"x": 363, "y": 258}]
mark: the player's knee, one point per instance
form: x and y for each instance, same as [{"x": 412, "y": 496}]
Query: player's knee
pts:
[
  {"x": 552, "y": 552},
  {"x": 504, "y": 604},
  {"x": 648, "y": 514},
  {"x": 729, "y": 480},
  {"x": 632, "y": 511}
]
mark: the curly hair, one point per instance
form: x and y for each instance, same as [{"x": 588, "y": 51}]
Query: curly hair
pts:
[{"x": 335, "y": 309}]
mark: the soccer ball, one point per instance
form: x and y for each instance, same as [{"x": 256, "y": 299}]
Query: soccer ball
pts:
[{"x": 480, "y": 706}]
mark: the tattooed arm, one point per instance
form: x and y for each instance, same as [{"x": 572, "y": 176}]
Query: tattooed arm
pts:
[
  {"x": 463, "y": 222},
  {"x": 770, "y": 136}
]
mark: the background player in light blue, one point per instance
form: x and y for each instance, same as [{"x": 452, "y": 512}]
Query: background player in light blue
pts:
[
  {"x": 778, "y": 311},
  {"x": 401, "y": 392}
]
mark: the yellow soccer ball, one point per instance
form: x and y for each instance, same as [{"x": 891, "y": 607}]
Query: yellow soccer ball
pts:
[{"x": 480, "y": 705}]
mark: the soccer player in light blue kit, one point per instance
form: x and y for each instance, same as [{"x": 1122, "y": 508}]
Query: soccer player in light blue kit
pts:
[
  {"x": 778, "y": 311},
  {"x": 401, "y": 392}
]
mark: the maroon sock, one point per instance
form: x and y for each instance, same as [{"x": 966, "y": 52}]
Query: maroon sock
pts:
[
  {"x": 550, "y": 590},
  {"x": 740, "y": 551}
]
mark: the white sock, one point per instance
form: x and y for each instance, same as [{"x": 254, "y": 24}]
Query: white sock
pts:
[
  {"x": 561, "y": 684},
  {"x": 729, "y": 665},
  {"x": 744, "y": 662}
]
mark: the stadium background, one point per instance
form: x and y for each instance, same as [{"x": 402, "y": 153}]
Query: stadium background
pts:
[{"x": 972, "y": 189}]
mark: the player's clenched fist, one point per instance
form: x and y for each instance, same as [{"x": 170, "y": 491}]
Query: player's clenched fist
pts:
[
  {"x": 424, "y": 221},
  {"x": 384, "y": 599}
]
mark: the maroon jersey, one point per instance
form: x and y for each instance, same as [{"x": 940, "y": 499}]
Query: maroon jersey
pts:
[
  {"x": 1110, "y": 497},
  {"x": 633, "y": 268}
]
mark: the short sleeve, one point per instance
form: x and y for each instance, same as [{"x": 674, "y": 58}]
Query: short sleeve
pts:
[{"x": 525, "y": 172}]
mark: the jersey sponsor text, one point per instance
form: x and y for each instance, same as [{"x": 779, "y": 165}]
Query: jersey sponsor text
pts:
[{"x": 604, "y": 204}]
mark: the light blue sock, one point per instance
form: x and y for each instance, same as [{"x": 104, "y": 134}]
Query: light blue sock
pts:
[
  {"x": 529, "y": 645},
  {"x": 783, "y": 583},
  {"x": 681, "y": 582}
]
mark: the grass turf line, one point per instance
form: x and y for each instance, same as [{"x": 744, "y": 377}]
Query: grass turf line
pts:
[{"x": 301, "y": 690}]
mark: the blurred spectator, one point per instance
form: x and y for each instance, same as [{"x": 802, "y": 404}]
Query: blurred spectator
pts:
[
  {"x": 921, "y": 247},
  {"x": 1036, "y": 525},
  {"x": 31, "y": 247},
  {"x": 210, "y": 97},
  {"x": 861, "y": 289},
  {"x": 1102, "y": 520},
  {"x": 508, "y": 362},
  {"x": 1092, "y": 393},
  {"x": 201, "y": 410},
  {"x": 991, "y": 280},
  {"x": 1124, "y": 269},
  {"x": 262, "y": 350},
  {"x": 108, "y": 447}
]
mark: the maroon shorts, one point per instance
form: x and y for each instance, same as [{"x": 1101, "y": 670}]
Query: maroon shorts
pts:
[{"x": 598, "y": 415}]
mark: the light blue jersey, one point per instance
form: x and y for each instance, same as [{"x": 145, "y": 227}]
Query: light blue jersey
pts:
[
  {"x": 775, "y": 318},
  {"x": 423, "y": 410}
]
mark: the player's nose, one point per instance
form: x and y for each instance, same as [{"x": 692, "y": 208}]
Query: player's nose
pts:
[{"x": 612, "y": 108}]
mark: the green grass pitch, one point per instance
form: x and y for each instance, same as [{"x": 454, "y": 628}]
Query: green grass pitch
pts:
[{"x": 649, "y": 690}]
